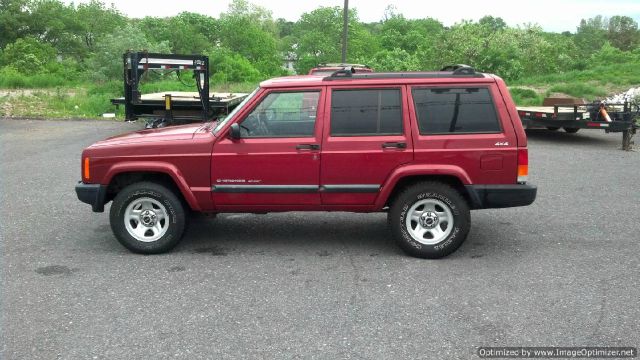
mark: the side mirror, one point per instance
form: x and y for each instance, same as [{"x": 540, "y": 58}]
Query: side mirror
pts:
[{"x": 234, "y": 131}]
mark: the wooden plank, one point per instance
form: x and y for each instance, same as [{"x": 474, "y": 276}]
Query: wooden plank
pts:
[
  {"x": 190, "y": 96},
  {"x": 549, "y": 109}
]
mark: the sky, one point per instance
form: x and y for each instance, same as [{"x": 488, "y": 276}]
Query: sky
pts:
[{"x": 552, "y": 15}]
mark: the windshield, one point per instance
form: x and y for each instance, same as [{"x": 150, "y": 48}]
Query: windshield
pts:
[{"x": 226, "y": 119}]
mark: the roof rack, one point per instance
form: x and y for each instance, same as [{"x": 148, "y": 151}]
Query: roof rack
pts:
[
  {"x": 345, "y": 65},
  {"x": 458, "y": 70}
]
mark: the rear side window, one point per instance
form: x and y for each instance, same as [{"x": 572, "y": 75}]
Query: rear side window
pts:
[
  {"x": 459, "y": 110},
  {"x": 366, "y": 112}
]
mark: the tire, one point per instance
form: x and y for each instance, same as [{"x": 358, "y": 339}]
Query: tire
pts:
[
  {"x": 553, "y": 128},
  {"x": 571, "y": 130},
  {"x": 447, "y": 203},
  {"x": 154, "y": 204}
]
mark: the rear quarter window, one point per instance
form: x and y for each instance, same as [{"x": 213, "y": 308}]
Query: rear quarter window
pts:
[{"x": 455, "y": 110}]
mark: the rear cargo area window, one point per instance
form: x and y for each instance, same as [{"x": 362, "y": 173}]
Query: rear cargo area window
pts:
[
  {"x": 366, "y": 112},
  {"x": 459, "y": 110}
]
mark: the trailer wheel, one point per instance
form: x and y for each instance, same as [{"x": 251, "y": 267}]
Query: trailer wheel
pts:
[
  {"x": 571, "y": 130},
  {"x": 553, "y": 128}
]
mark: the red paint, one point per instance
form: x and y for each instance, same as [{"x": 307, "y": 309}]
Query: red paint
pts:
[{"x": 196, "y": 159}]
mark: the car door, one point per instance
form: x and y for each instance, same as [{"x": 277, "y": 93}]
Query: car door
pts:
[
  {"x": 366, "y": 137},
  {"x": 277, "y": 159}
]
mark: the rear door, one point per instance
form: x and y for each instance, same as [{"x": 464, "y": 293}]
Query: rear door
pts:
[
  {"x": 465, "y": 125},
  {"x": 277, "y": 159},
  {"x": 367, "y": 136}
]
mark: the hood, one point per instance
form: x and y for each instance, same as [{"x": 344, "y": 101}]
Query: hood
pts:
[{"x": 182, "y": 132}]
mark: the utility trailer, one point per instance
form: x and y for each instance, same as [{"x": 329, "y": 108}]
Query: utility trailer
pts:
[
  {"x": 575, "y": 116},
  {"x": 171, "y": 107}
]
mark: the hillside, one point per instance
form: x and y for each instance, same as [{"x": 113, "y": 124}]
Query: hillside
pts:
[{"x": 599, "y": 82}]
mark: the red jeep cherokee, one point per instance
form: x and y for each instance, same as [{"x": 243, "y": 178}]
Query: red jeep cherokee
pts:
[{"x": 424, "y": 147}]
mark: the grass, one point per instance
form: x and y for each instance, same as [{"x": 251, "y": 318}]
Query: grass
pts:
[
  {"x": 56, "y": 97},
  {"x": 591, "y": 84},
  {"x": 87, "y": 101},
  {"x": 526, "y": 97},
  {"x": 13, "y": 80}
]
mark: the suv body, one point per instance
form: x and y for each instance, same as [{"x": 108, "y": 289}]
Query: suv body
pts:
[{"x": 426, "y": 147}]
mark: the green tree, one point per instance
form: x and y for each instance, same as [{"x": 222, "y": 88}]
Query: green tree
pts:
[
  {"x": 229, "y": 67},
  {"x": 408, "y": 35},
  {"x": 250, "y": 31},
  {"x": 591, "y": 34},
  {"x": 28, "y": 55},
  {"x": 188, "y": 33},
  {"x": 493, "y": 23},
  {"x": 95, "y": 20},
  {"x": 623, "y": 32},
  {"x": 318, "y": 38},
  {"x": 13, "y": 18},
  {"x": 106, "y": 62}
]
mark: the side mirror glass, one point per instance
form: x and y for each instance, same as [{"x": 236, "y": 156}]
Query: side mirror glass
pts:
[{"x": 234, "y": 131}]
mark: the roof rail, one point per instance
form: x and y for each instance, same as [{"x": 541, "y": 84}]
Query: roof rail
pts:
[
  {"x": 342, "y": 73},
  {"x": 344, "y": 65},
  {"x": 459, "y": 69}
]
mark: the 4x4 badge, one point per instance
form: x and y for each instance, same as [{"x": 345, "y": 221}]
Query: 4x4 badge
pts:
[{"x": 506, "y": 143}]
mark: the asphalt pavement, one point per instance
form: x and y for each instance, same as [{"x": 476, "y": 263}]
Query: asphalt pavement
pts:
[{"x": 562, "y": 272}]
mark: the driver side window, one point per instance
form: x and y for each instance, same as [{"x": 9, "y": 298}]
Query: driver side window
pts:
[{"x": 282, "y": 114}]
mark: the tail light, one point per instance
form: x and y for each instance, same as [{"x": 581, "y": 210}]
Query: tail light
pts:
[
  {"x": 85, "y": 169},
  {"x": 523, "y": 165}
]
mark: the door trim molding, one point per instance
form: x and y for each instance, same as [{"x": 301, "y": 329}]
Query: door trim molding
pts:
[
  {"x": 337, "y": 188},
  {"x": 264, "y": 188},
  {"x": 351, "y": 188}
]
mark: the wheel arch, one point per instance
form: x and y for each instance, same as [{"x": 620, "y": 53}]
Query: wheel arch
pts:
[
  {"x": 402, "y": 178},
  {"x": 168, "y": 175}
]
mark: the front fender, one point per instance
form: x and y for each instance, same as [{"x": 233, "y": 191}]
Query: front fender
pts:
[
  {"x": 419, "y": 170},
  {"x": 157, "y": 167}
]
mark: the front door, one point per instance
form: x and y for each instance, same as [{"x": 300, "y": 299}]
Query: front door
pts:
[{"x": 277, "y": 159}]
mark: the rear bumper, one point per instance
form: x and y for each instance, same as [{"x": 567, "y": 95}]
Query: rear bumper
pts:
[
  {"x": 501, "y": 196},
  {"x": 92, "y": 194}
]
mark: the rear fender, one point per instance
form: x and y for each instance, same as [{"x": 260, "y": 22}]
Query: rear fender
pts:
[{"x": 425, "y": 170}]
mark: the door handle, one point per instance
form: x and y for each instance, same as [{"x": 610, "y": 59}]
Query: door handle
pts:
[
  {"x": 396, "y": 145},
  {"x": 308, "y": 147}
]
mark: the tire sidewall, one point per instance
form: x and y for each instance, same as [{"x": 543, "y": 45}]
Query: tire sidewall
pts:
[
  {"x": 458, "y": 234},
  {"x": 174, "y": 212}
]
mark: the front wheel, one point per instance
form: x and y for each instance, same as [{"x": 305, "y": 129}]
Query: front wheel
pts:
[
  {"x": 147, "y": 218},
  {"x": 430, "y": 220}
]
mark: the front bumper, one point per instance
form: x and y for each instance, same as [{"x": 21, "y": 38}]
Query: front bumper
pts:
[
  {"x": 501, "y": 196},
  {"x": 92, "y": 194}
]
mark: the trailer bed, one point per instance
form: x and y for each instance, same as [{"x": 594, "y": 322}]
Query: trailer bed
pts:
[{"x": 186, "y": 98}]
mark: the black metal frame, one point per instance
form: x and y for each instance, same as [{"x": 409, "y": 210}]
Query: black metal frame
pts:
[
  {"x": 455, "y": 71},
  {"x": 135, "y": 64},
  {"x": 621, "y": 121}
]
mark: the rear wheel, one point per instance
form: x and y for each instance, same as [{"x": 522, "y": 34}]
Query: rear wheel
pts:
[
  {"x": 553, "y": 128},
  {"x": 429, "y": 220},
  {"x": 571, "y": 130},
  {"x": 147, "y": 218}
]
